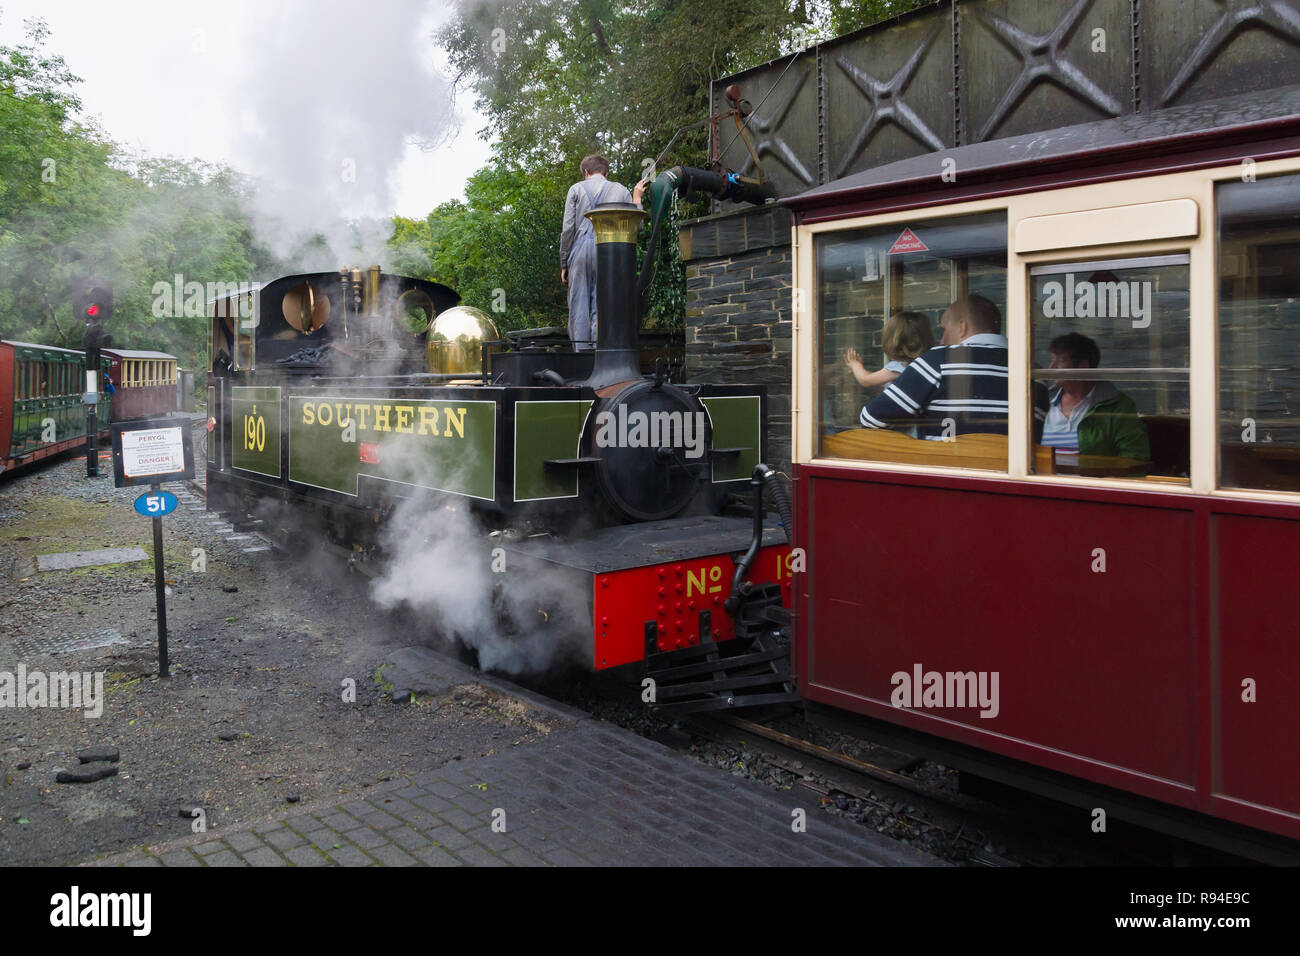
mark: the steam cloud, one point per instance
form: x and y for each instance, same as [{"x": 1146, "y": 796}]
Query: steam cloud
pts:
[
  {"x": 339, "y": 91},
  {"x": 525, "y": 620}
]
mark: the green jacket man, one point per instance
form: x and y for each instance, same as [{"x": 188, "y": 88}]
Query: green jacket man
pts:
[
  {"x": 1110, "y": 425},
  {"x": 1090, "y": 417}
]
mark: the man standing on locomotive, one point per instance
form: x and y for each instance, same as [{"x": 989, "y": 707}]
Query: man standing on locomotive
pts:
[{"x": 578, "y": 244}]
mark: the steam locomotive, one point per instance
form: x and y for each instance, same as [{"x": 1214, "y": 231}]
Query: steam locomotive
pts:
[{"x": 344, "y": 395}]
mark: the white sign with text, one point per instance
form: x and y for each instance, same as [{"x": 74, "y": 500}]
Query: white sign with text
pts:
[{"x": 159, "y": 451}]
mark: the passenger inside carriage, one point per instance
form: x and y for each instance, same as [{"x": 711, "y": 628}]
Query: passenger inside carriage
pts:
[
  {"x": 958, "y": 387},
  {"x": 1091, "y": 417},
  {"x": 905, "y": 337}
]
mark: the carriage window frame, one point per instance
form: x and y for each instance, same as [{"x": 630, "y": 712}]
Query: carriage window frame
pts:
[
  {"x": 1125, "y": 377},
  {"x": 1278, "y": 170},
  {"x": 925, "y": 456},
  {"x": 1203, "y": 245}
]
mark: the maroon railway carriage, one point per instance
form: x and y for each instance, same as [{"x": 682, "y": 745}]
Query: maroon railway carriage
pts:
[
  {"x": 1136, "y": 612},
  {"x": 145, "y": 383}
]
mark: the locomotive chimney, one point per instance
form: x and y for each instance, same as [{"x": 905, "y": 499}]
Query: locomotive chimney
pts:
[{"x": 618, "y": 316}]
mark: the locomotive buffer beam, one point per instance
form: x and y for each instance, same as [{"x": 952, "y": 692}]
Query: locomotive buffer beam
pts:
[
  {"x": 757, "y": 678},
  {"x": 702, "y": 677}
]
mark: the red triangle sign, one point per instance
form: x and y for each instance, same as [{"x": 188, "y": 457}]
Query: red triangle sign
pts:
[{"x": 908, "y": 242}]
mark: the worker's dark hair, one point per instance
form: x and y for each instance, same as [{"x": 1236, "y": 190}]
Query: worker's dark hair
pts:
[
  {"x": 1078, "y": 347},
  {"x": 595, "y": 163}
]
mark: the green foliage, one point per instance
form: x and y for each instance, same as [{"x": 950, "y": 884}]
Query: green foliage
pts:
[
  {"x": 845, "y": 16},
  {"x": 561, "y": 78},
  {"x": 73, "y": 207},
  {"x": 500, "y": 249}
]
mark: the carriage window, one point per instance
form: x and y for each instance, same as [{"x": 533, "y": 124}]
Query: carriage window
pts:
[
  {"x": 1111, "y": 352},
  {"x": 883, "y": 294},
  {"x": 1259, "y": 319}
]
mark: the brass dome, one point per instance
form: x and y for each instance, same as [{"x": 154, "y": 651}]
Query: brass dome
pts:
[{"x": 456, "y": 341}]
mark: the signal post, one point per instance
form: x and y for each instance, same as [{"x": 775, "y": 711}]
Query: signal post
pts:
[{"x": 94, "y": 307}]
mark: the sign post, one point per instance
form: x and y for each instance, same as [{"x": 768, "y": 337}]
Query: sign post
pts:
[
  {"x": 151, "y": 451},
  {"x": 91, "y": 399},
  {"x": 160, "y": 591}
]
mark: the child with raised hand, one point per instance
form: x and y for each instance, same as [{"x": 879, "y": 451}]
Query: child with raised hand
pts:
[{"x": 905, "y": 337}]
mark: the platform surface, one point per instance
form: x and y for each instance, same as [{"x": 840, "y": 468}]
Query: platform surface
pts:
[{"x": 588, "y": 794}]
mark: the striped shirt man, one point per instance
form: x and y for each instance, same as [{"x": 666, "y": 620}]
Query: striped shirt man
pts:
[{"x": 947, "y": 391}]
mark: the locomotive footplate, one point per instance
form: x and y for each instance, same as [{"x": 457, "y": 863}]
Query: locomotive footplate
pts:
[{"x": 659, "y": 586}]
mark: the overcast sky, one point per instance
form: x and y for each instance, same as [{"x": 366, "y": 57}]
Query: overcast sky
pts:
[{"x": 250, "y": 83}]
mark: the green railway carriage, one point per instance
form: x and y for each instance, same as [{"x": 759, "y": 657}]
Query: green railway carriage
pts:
[{"x": 41, "y": 408}]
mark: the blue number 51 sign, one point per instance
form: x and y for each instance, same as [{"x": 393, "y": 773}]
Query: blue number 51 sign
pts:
[{"x": 155, "y": 504}]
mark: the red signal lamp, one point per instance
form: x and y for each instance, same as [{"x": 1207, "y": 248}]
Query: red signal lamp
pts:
[{"x": 92, "y": 310}]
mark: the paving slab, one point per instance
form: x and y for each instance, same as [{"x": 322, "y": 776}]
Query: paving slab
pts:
[
  {"x": 68, "y": 560},
  {"x": 586, "y": 794}
]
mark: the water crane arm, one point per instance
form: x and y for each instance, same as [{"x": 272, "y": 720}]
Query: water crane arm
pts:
[{"x": 685, "y": 181}]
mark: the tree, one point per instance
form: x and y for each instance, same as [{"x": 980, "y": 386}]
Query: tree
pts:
[
  {"x": 499, "y": 249},
  {"x": 73, "y": 206},
  {"x": 562, "y": 78}
]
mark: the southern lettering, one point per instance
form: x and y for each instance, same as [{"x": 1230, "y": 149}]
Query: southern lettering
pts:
[{"x": 442, "y": 421}]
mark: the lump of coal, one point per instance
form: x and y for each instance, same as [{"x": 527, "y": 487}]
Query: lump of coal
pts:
[
  {"x": 86, "y": 774},
  {"x": 98, "y": 754}
]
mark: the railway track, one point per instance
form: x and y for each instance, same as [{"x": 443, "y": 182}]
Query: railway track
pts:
[
  {"x": 1020, "y": 831},
  {"x": 828, "y": 774},
  {"x": 835, "y": 778}
]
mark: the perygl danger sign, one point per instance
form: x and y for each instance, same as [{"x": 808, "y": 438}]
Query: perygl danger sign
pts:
[
  {"x": 908, "y": 242},
  {"x": 147, "y": 451},
  {"x": 154, "y": 452}
]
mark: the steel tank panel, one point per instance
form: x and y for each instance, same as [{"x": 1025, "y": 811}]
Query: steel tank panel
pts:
[
  {"x": 1196, "y": 50},
  {"x": 992, "y": 69},
  {"x": 887, "y": 96},
  {"x": 784, "y": 126},
  {"x": 1024, "y": 65}
]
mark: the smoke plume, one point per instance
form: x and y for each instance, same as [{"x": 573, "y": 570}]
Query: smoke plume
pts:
[
  {"x": 444, "y": 562},
  {"x": 338, "y": 91}
]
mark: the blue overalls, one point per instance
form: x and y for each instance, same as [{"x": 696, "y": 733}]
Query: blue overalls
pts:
[{"x": 582, "y": 273}]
